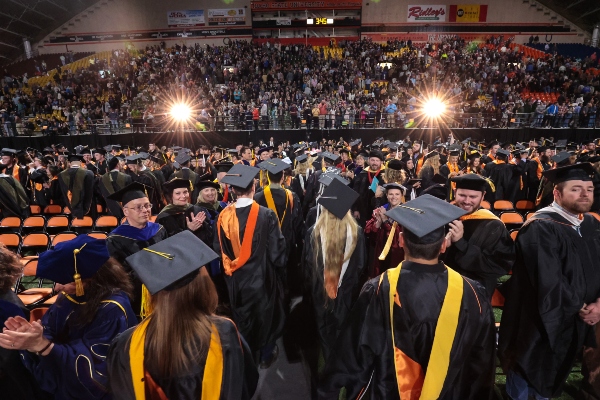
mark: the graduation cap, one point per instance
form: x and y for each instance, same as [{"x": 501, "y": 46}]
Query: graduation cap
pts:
[
  {"x": 561, "y": 143},
  {"x": 394, "y": 185},
  {"x": 207, "y": 184},
  {"x": 423, "y": 219},
  {"x": 171, "y": 263},
  {"x": 439, "y": 179},
  {"x": 471, "y": 182},
  {"x": 131, "y": 192},
  {"x": 263, "y": 149},
  {"x": 75, "y": 157},
  {"x": 395, "y": 164},
  {"x": 116, "y": 147},
  {"x": 561, "y": 157},
  {"x": 132, "y": 159},
  {"x": 338, "y": 198},
  {"x": 176, "y": 183},
  {"x": 430, "y": 155},
  {"x": 318, "y": 163},
  {"x": 466, "y": 141},
  {"x": 240, "y": 176},
  {"x": 355, "y": 143},
  {"x": 302, "y": 159},
  {"x": 578, "y": 172},
  {"x": 8, "y": 152},
  {"x": 376, "y": 154},
  {"x": 454, "y": 152},
  {"x": 274, "y": 166},
  {"x": 48, "y": 150},
  {"x": 474, "y": 154},
  {"x": 326, "y": 179},
  {"x": 503, "y": 153},
  {"x": 182, "y": 158},
  {"x": 330, "y": 157},
  {"x": 344, "y": 150},
  {"x": 224, "y": 166},
  {"x": 233, "y": 151},
  {"x": 73, "y": 260},
  {"x": 100, "y": 151},
  {"x": 155, "y": 159},
  {"x": 85, "y": 151}
]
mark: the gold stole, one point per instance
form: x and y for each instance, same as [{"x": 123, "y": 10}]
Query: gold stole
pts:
[
  {"x": 482, "y": 213},
  {"x": 271, "y": 202},
  {"x": 213, "y": 369},
  {"x": 409, "y": 375}
]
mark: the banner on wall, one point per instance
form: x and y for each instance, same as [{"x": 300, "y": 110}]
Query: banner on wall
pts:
[
  {"x": 227, "y": 16},
  {"x": 148, "y": 35},
  {"x": 185, "y": 18},
  {"x": 304, "y": 5},
  {"x": 468, "y": 13},
  {"x": 422, "y": 13}
]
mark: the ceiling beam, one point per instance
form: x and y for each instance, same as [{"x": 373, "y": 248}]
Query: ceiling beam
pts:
[
  {"x": 574, "y": 4},
  {"x": 9, "y": 45},
  {"x": 589, "y": 12},
  {"x": 32, "y": 9},
  {"x": 13, "y": 32},
  {"x": 20, "y": 20},
  {"x": 56, "y": 5}
]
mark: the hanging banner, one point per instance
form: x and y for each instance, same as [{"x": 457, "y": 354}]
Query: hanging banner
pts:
[
  {"x": 421, "y": 13},
  {"x": 468, "y": 13},
  {"x": 306, "y": 5},
  {"x": 227, "y": 16},
  {"x": 185, "y": 18}
]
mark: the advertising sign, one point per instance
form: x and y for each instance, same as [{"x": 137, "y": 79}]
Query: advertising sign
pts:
[
  {"x": 185, "y": 18},
  {"x": 227, "y": 16},
  {"x": 421, "y": 13}
]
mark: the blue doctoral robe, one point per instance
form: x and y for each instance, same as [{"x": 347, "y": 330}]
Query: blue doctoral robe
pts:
[{"x": 76, "y": 367}]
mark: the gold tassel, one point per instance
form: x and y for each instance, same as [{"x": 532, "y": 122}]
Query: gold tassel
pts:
[
  {"x": 146, "y": 302},
  {"x": 491, "y": 183},
  {"x": 77, "y": 277},
  {"x": 388, "y": 243}
]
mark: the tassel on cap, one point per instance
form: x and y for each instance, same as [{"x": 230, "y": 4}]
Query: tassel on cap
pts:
[
  {"x": 77, "y": 277},
  {"x": 388, "y": 243},
  {"x": 146, "y": 302}
]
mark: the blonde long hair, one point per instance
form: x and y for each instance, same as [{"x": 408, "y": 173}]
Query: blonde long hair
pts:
[
  {"x": 178, "y": 340},
  {"x": 335, "y": 231},
  {"x": 394, "y": 175},
  {"x": 433, "y": 162},
  {"x": 301, "y": 168}
]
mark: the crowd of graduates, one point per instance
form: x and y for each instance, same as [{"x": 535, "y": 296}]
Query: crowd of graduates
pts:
[{"x": 380, "y": 261}]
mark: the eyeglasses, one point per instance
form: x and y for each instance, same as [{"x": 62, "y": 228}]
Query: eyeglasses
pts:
[{"x": 141, "y": 208}]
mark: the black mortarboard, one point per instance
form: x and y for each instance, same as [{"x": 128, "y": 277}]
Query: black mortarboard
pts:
[
  {"x": 376, "y": 154},
  {"x": 132, "y": 159},
  {"x": 542, "y": 149},
  {"x": 454, "y": 152},
  {"x": 577, "y": 172},
  {"x": 330, "y": 157},
  {"x": 437, "y": 191},
  {"x": 263, "y": 149},
  {"x": 224, "y": 166},
  {"x": 131, "y": 192},
  {"x": 75, "y": 157},
  {"x": 355, "y": 143},
  {"x": 467, "y": 140},
  {"x": 395, "y": 164},
  {"x": 474, "y": 154},
  {"x": 182, "y": 158},
  {"x": 204, "y": 184},
  {"x": 232, "y": 151},
  {"x": 439, "y": 179},
  {"x": 116, "y": 147},
  {"x": 100, "y": 151},
  {"x": 338, "y": 198},
  {"x": 394, "y": 185},
  {"x": 344, "y": 150},
  {"x": 85, "y": 151},
  {"x": 561, "y": 157},
  {"x": 423, "y": 218},
  {"x": 240, "y": 176},
  {"x": 274, "y": 166},
  {"x": 430, "y": 155},
  {"x": 301, "y": 159},
  {"x": 470, "y": 182},
  {"x": 176, "y": 183},
  {"x": 48, "y": 150},
  {"x": 326, "y": 179},
  {"x": 503, "y": 153},
  {"x": 8, "y": 152},
  {"x": 171, "y": 263}
]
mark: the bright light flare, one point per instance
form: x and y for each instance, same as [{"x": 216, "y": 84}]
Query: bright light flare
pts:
[
  {"x": 434, "y": 108},
  {"x": 181, "y": 112}
]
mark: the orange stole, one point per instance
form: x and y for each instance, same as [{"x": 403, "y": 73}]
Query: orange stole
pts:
[
  {"x": 539, "y": 169},
  {"x": 229, "y": 222},
  {"x": 419, "y": 165},
  {"x": 15, "y": 173}
]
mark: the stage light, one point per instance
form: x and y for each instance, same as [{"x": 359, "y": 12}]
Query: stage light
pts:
[
  {"x": 434, "y": 108},
  {"x": 181, "y": 112}
]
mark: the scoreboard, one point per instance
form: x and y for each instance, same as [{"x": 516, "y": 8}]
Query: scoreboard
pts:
[{"x": 319, "y": 21}]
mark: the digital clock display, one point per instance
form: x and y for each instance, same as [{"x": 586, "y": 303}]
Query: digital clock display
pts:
[{"x": 319, "y": 21}]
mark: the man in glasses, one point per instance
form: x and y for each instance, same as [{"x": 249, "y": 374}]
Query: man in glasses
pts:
[
  {"x": 133, "y": 235},
  {"x": 143, "y": 175}
]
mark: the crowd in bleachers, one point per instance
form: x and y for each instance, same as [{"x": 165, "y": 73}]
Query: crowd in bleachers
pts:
[{"x": 274, "y": 86}]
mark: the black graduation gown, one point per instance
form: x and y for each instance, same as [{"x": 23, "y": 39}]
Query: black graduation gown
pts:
[
  {"x": 256, "y": 290},
  {"x": 502, "y": 175},
  {"x": 80, "y": 182},
  {"x": 520, "y": 178},
  {"x": 363, "y": 350},
  {"x": 173, "y": 219},
  {"x": 291, "y": 226},
  {"x": 39, "y": 195},
  {"x": 298, "y": 186},
  {"x": 54, "y": 193},
  {"x": 192, "y": 177},
  {"x": 124, "y": 241},
  {"x": 312, "y": 186},
  {"x": 330, "y": 314},
  {"x": 13, "y": 199},
  {"x": 240, "y": 376},
  {"x": 555, "y": 273},
  {"x": 362, "y": 186},
  {"x": 485, "y": 252},
  {"x": 146, "y": 177},
  {"x": 111, "y": 182},
  {"x": 16, "y": 382},
  {"x": 23, "y": 174}
]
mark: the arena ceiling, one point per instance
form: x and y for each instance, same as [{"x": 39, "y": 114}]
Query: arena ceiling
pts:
[{"x": 34, "y": 19}]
